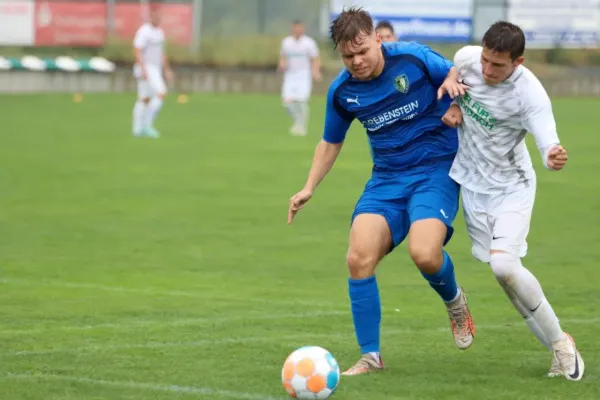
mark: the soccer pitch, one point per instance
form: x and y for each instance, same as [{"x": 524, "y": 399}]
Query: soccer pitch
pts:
[{"x": 134, "y": 268}]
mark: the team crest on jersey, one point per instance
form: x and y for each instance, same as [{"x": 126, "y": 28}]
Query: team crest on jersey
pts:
[{"x": 401, "y": 83}]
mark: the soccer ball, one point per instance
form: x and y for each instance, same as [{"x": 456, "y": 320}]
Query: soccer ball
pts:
[{"x": 310, "y": 372}]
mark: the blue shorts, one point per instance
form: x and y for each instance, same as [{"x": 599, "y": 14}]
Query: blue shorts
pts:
[{"x": 405, "y": 197}]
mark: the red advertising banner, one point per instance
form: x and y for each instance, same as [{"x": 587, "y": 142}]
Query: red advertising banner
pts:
[
  {"x": 67, "y": 23},
  {"x": 70, "y": 24},
  {"x": 176, "y": 20}
]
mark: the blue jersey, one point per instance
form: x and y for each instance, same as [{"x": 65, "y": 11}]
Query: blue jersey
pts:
[{"x": 399, "y": 109}]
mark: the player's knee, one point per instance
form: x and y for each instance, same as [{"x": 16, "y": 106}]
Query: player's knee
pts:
[
  {"x": 504, "y": 266},
  {"x": 428, "y": 258},
  {"x": 361, "y": 264}
]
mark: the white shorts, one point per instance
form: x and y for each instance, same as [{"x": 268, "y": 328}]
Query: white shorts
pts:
[
  {"x": 296, "y": 88},
  {"x": 498, "y": 221},
  {"x": 153, "y": 85}
]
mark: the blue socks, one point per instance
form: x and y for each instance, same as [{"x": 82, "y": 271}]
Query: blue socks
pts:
[
  {"x": 366, "y": 313},
  {"x": 444, "y": 281}
]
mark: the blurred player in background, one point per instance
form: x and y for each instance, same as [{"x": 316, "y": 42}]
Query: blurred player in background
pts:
[
  {"x": 504, "y": 101},
  {"x": 299, "y": 61},
  {"x": 386, "y": 31},
  {"x": 151, "y": 63},
  {"x": 396, "y": 90}
]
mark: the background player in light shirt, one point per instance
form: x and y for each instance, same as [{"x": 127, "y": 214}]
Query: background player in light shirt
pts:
[
  {"x": 503, "y": 101},
  {"x": 386, "y": 31},
  {"x": 396, "y": 91},
  {"x": 151, "y": 63},
  {"x": 300, "y": 63}
]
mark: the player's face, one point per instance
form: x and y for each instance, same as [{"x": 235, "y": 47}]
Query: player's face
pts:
[
  {"x": 155, "y": 18},
  {"x": 496, "y": 67},
  {"x": 297, "y": 30},
  {"x": 386, "y": 35},
  {"x": 362, "y": 56}
]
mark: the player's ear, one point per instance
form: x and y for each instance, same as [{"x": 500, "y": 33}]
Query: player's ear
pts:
[{"x": 519, "y": 61}]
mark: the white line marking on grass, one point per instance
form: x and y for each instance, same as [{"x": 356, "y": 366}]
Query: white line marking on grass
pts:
[
  {"x": 168, "y": 293},
  {"x": 177, "y": 322},
  {"x": 304, "y": 337},
  {"x": 152, "y": 387}
]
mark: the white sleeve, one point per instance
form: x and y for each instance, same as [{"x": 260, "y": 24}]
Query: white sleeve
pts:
[
  {"x": 282, "y": 49},
  {"x": 465, "y": 57},
  {"x": 141, "y": 38},
  {"x": 537, "y": 117},
  {"x": 313, "y": 49}
]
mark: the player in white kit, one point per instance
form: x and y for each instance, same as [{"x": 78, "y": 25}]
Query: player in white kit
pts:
[
  {"x": 503, "y": 101},
  {"x": 299, "y": 61},
  {"x": 151, "y": 63}
]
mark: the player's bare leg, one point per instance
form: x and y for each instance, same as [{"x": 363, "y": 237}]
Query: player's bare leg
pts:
[
  {"x": 425, "y": 246},
  {"x": 139, "y": 114},
  {"x": 370, "y": 240},
  {"x": 520, "y": 282}
]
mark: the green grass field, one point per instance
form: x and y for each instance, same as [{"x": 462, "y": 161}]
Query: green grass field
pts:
[{"x": 164, "y": 269}]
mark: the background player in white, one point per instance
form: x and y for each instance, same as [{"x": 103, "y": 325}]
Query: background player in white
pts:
[
  {"x": 151, "y": 62},
  {"x": 386, "y": 31},
  {"x": 504, "y": 101},
  {"x": 299, "y": 60}
]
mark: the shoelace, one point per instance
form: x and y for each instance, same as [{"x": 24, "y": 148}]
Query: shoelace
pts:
[{"x": 457, "y": 314}]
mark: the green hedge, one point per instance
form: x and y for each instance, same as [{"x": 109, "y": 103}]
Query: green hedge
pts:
[{"x": 263, "y": 51}]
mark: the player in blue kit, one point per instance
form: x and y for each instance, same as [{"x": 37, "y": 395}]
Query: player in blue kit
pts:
[{"x": 398, "y": 92}]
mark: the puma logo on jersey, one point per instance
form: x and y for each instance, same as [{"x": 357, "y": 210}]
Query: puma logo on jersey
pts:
[{"x": 351, "y": 100}]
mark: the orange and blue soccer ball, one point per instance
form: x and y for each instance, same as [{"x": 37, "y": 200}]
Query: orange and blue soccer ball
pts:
[{"x": 310, "y": 372}]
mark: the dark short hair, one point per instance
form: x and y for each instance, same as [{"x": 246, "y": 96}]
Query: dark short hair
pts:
[
  {"x": 504, "y": 37},
  {"x": 349, "y": 25},
  {"x": 384, "y": 25},
  {"x": 297, "y": 22}
]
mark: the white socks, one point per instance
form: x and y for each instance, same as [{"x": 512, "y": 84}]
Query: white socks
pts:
[
  {"x": 153, "y": 109},
  {"x": 525, "y": 292},
  {"x": 303, "y": 115},
  {"x": 299, "y": 113},
  {"x": 139, "y": 111}
]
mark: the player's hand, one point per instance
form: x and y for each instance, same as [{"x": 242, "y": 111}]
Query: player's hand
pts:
[
  {"x": 452, "y": 87},
  {"x": 144, "y": 74},
  {"x": 297, "y": 202},
  {"x": 317, "y": 76},
  {"x": 169, "y": 75},
  {"x": 557, "y": 158},
  {"x": 453, "y": 117},
  {"x": 281, "y": 67}
]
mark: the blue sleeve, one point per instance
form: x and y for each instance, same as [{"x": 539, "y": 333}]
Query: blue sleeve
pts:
[
  {"x": 435, "y": 63},
  {"x": 337, "y": 119}
]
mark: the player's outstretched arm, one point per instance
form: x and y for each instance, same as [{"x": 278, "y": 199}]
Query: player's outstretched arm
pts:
[
  {"x": 451, "y": 85},
  {"x": 324, "y": 158},
  {"x": 442, "y": 72},
  {"x": 337, "y": 122}
]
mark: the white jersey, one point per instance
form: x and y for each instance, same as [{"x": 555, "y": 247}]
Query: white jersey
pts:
[
  {"x": 492, "y": 156},
  {"x": 150, "y": 40},
  {"x": 299, "y": 54}
]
